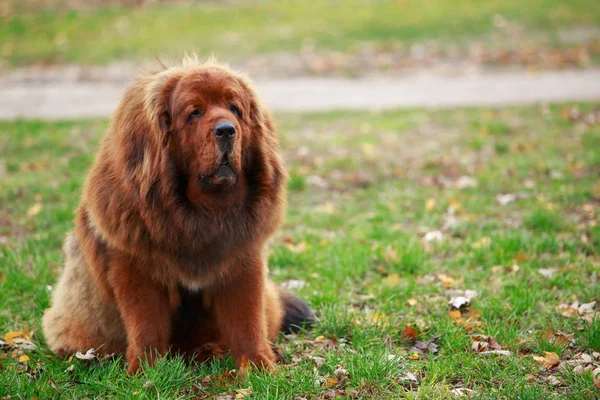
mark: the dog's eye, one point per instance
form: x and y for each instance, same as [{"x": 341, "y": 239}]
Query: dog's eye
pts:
[
  {"x": 233, "y": 108},
  {"x": 194, "y": 115}
]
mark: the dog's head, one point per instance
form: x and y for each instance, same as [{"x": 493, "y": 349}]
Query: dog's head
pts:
[{"x": 211, "y": 123}]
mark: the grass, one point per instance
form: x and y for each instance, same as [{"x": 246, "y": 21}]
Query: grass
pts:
[
  {"x": 366, "y": 189},
  {"x": 244, "y": 29}
]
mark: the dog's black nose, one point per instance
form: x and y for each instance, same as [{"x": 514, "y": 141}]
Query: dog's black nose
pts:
[{"x": 224, "y": 130}]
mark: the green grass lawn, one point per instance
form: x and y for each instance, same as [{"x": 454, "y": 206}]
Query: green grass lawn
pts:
[
  {"x": 367, "y": 195},
  {"x": 247, "y": 28}
]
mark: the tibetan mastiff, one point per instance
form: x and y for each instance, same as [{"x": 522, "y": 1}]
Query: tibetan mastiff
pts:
[{"x": 169, "y": 249}]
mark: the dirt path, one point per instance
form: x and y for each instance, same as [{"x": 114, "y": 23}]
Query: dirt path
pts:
[{"x": 65, "y": 94}]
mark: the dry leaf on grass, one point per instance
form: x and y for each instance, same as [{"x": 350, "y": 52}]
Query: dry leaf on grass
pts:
[
  {"x": 504, "y": 199},
  {"x": 89, "y": 355},
  {"x": 585, "y": 311},
  {"x": 596, "y": 377},
  {"x": 547, "y": 272},
  {"x": 390, "y": 255},
  {"x": 293, "y": 284},
  {"x": 412, "y": 302},
  {"x": 433, "y": 236},
  {"x": 485, "y": 344},
  {"x": 559, "y": 338},
  {"x": 426, "y": 346},
  {"x": 448, "y": 281},
  {"x": 34, "y": 210},
  {"x": 549, "y": 360},
  {"x": 297, "y": 248},
  {"x": 392, "y": 280},
  {"x": 462, "y": 392},
  {"x": 459, "y": 302},
  {"x": 409, "y": 333},
  {"x": 243, "y": 393}
]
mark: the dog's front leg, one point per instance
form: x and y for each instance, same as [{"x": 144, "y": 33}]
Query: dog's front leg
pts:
[
  {"x": 239, "y": 307},
  {"x": 145, "y": 310}
]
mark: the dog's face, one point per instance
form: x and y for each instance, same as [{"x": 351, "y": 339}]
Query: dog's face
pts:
[{"x": 208, "y": 118}]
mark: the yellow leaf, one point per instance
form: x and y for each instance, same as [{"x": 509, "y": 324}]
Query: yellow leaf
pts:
[
  {"x": 454, "y": 315},
  {"x": 27, "y": 334},
  {"x": 414, "y": 356},
  {"x": 368, "y": 149},
  {"x": 412, "y": 302},
  {"x": 482, "y": 243},
  {"x": 9, "y": 337},
  {"x": 296, "y": 248},
  {"x": 390, "y": 254},
  {"x": 392, "y": 280},
  {"x": 328, "y": 208},
  {"x": 331, "y": 382},
  {"x": 430, "y": 204},
  {"x": 34, "y": 210},
  {"x": 448, "y": 281},
  {"x": 135, "y": 393},
  {"x": 550, "y": 359},
  {"x": 243, "y": 393},
  {"x": 455, "y": 204},
  {"x": 24, "y": 358}
]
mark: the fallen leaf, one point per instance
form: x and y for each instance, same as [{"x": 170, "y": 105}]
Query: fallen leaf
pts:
[
  {"x": 390, "y": 254},
  {"x": 549, "y": 360},
  {"x": 596, "y": 377},
  {"x": 243, "y": 393},
  {"x": 504, "y": 199},
  {"x": 484, "y": 242},
  {"x": 34, "y": 210},
  {"x": 328, "y": 208},
  {"x": 331, "y": 382},
  {"x": 459, "y": 302},
  {"x": 319, "y": 361},
  {"x": 433, "y": 236},
  {"x": 89, "y": 355},
  {"x": 414, "y": 356},
  {"x": 24, "y": 358},
  {"x": 460, "y": 392},
  {"x": 426, "y": 346},
  {"x": 553, "y": 380},
  {"x": 340, "y": 374},
  {"x": 498, "y": 352},
  {"x": 24, "y": 344},
  {"x": 296, "y": 248},
  {"x": 430, "y": 204},
  {"x": 293, "y": 284},
  {"x": 484, "y": 343},
  {"x": 448, "y": 281},
  {"x": 547, "y": 272},
  {"x": 409, "y": 333},
  {"x": 10, "y": 336},
  {"x": 412, "y": 302},
  {"x": 455, "y": 315},
  {"x": 392, "y": 280},
  {"x": 465, "y": 182}
]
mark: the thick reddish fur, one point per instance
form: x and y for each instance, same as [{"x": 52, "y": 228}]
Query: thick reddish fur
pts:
[{"x": 157, "y": 259}]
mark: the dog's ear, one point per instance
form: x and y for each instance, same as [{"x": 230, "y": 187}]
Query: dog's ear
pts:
[
  {"x": 164, "y": 122},
  {"x": 158, "y": 100},
  {"x": 264, "y": 157}
]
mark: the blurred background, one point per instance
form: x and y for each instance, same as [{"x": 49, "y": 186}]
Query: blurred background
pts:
[{"x": 291, "y": 38}]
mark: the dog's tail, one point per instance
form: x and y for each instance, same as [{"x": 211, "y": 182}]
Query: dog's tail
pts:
[{"x": 297, "y": 314}]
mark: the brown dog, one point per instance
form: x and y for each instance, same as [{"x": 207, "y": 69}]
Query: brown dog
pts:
[{"x": 169, "y": 248}]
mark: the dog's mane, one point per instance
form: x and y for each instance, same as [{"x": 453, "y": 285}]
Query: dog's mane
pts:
[{"x": 133, "y": 195}]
